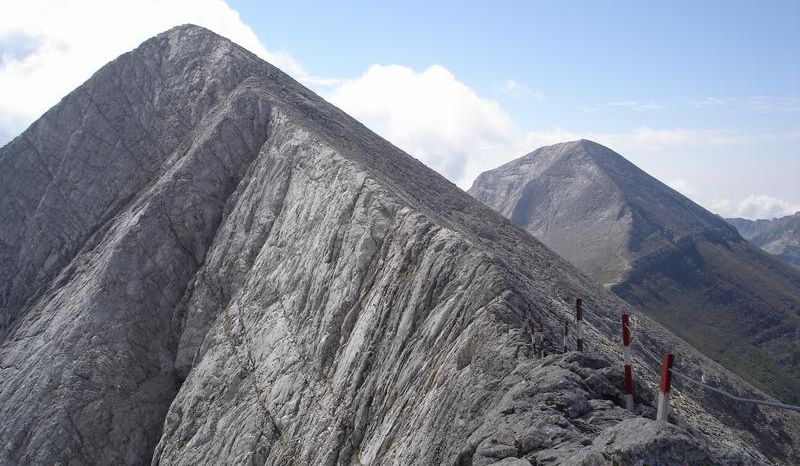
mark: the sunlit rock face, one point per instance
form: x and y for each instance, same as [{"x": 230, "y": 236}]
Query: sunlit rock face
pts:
[{"x": 202, "y": 262}]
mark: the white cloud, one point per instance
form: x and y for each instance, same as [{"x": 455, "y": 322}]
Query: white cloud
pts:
[
  {"x": 760, "y": 104},
  {"x": 450, "y": 127},
  {"x": 774, "y": 105},
  {"x": 709, "y": 102},
  {"x": 754, "y": 207},
  {"x": 646, "y": 139},
  {"x": 49, "y": 47},
  {"x": 637, "y": 105},
  {"x": 515, "y": 90},
  {"x": 433, "y": 116}
]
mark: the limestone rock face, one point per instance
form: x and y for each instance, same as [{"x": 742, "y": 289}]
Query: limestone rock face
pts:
[
  {"x": 683, "y": 265},
  {"x": 202, "y": 262}
]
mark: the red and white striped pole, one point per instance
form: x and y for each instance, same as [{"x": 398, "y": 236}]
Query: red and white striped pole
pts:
[
  {"x": 579, "y": 323},
  {"x": 663, "y": 389},
  {"x": 626, "y": 352}
]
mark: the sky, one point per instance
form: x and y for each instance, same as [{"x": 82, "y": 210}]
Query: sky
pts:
[{"x": 705, "y": 96}]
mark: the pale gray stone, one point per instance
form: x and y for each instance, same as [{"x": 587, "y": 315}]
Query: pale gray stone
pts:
[{"x": 205, "y": 263}]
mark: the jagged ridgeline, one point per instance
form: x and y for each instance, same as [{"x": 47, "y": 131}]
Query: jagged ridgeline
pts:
[{"x": 202, "y": 262}]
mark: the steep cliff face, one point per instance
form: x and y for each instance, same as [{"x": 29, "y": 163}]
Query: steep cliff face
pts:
[
  {"x": 779, "y": 236},
  {"x": 205, "y": 263},
  {"x": 683, "y": 265}
]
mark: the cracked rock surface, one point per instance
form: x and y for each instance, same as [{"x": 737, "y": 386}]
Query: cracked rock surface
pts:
[{"x": 202, "y": 262}]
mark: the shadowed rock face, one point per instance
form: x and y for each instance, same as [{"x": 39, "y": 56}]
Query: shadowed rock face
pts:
[
  {"x": 779, "y": 236},
  {"x": 202, "y": 262},
  {"x": 683, "y": 265}
]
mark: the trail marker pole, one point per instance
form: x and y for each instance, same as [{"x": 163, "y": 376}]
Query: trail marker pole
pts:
[
  {"x": 663, "y": 389},
  {"x": 579, "y": 323},
  {"x": 626, "y": 352},
  {"x": 566, "y": 332}
]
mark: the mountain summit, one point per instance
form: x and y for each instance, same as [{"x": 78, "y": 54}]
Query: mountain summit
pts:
[
  {"x": 593, "y": 207},
  {"x": 203, "y": 262},
  {"x": 683, "y": 265}
]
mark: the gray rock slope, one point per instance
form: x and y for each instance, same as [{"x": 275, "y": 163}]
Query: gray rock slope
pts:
[
  {"x": 681, "y": 264},
  {"x": 202, "y": 262},
  {"x": 778, "y": 236}
]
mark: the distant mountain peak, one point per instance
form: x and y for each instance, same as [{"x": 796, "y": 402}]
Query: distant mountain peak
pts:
[
  {"x": 589, "y": 145},
  {"x": 561, "y": 192}
]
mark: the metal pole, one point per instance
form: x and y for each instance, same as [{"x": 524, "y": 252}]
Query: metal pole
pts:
[
  {"x": 663, "y": 389},
  {"x": 626, "y": 352}
]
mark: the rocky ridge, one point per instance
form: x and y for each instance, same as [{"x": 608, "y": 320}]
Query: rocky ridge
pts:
[{"x": 202, "y": 262}]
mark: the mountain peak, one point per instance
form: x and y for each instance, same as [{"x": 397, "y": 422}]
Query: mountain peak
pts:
[
  {"x": 202, "y": 261},
  {"x": 579, "y": 144},
  {"x": 560, "y": 192},
  {"x": 594, "y": 173},
  {"x": 580, "y": 151},
  {"x": 189, "y": 28},
  {"x": 189, "y": 35},
  {"x": 589, "y": 144},
  {"x": 603, "y": 155}
]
